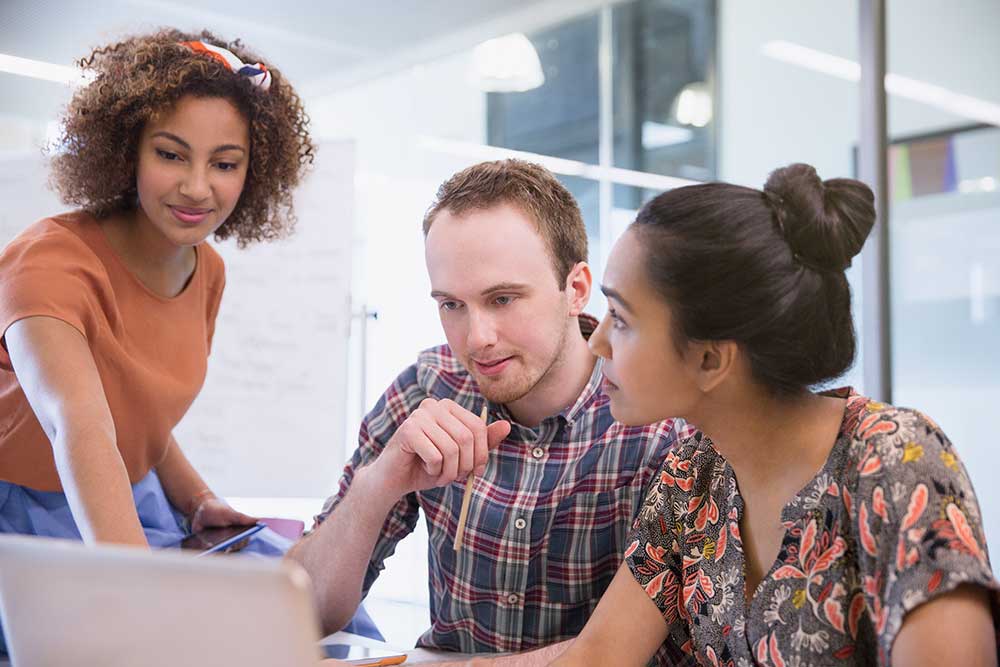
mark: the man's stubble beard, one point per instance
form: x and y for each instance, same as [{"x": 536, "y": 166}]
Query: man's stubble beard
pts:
[{"x": 521, "y": 387}]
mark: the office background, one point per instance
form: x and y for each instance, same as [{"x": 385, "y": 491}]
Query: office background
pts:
[{"x": 622, "y": 100}]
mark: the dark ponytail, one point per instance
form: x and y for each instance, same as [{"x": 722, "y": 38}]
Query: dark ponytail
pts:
[{"x": 763, "y": 269}]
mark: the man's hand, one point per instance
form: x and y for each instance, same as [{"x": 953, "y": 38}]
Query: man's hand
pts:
[{"x": 439, "y": 443}]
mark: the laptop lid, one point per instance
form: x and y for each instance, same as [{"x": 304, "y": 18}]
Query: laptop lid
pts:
[{"x": 64, "y": 603}]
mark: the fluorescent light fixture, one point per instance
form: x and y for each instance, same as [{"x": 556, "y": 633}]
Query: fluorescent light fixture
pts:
[
  {"x": 38, "y": 69},
  {"x": 507, "y": 64},
  {"x": 693, "y": 105},
  {"x": 984, "y": 184},
  {"x": 938, "y": 97},
  {"x": 817, "y": 61},
  {"x": 977, "y": 293},
  {"x": 639, "y": 179},
  {"x": 658, "y": 135}
]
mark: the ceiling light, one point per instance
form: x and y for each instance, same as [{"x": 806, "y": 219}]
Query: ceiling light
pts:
[
  {"x": 558, "y": 165},
  {"x": 693, "y": 105},
  {"x": 38, "y": 69},
  {"x": 932, "y": 95},
  {"x": 984, "y": 184},
  {"x": 506, "y": 64}
]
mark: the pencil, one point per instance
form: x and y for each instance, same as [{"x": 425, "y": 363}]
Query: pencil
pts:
[{"x": 460, "y": 532}]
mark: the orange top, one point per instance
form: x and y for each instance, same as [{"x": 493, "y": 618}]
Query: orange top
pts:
[{"x": 151, "y": 352}]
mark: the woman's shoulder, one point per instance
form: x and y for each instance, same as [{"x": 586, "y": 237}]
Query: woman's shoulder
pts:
[
  {"x": 898, "y": 456},
  {"x": 693, "y": 450},
  {"x": 214, "y": 265},
  {"x": 884, "y": 435},
  {"x": 67, "y": 236},
  {"x": 691, "y": 465}
]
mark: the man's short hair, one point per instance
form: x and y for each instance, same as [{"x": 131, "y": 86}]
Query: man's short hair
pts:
[{"x": 529, "y": 187}]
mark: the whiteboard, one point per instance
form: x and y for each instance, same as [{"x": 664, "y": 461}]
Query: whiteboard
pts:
[{"x": 270, "y": 420}]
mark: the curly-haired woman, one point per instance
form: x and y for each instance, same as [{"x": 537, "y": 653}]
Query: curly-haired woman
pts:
[{"x": 107, "y": 313}]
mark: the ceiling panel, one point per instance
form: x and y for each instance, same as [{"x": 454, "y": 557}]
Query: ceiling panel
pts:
[{"x": 310, "y": 41}]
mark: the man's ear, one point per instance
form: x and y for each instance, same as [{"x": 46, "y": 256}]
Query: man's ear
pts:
[
  {"x": 713, "y": 362},
  {"x": 578, "y": 285}
]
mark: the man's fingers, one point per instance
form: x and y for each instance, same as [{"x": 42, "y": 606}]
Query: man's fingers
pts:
[
  {"x": 496, "y": 432},
  {"x": 463, "y": 437},
  {"x": 444, "y": 444},
  {"x": 430, "y": 457},
  {"x": 474, "y": 424},
  {"x": 450, "y": 441}
]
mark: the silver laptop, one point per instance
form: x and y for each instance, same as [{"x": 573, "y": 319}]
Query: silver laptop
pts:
[{"x": 67, "y": 604}]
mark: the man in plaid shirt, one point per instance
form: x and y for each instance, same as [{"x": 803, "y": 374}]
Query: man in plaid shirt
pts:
[{"x": 557, "y": 481}]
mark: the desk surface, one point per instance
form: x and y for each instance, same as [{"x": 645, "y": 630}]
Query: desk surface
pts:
[{"x": 414, "y": 656}]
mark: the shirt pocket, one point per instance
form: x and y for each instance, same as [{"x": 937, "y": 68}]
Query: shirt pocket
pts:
[{"x": 587, "y": 543}]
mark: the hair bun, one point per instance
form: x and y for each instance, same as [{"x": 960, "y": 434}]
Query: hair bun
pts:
[{"x": 824, "y": 222}]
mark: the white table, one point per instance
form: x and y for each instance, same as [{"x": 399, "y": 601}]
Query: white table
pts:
[{"x": 414, "y": 656}]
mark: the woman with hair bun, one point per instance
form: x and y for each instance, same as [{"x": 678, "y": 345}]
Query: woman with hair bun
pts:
[
  {"x": 797, "y": 526},
  {"x": 107, "y": 312}
]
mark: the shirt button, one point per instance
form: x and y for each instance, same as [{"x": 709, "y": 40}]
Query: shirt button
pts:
[
  {"x": 512, "y": 598},
  {"x": 520, "y": 523},
  {"x": 538, "y": 452}
]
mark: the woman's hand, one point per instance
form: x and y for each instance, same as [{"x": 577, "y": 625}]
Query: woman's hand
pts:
[
  {"x": 215, "y": 512},
  {"x": 189, "y": 493}
]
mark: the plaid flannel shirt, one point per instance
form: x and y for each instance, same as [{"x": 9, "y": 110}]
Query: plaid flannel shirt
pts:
[{"x": 548, "y": 521}]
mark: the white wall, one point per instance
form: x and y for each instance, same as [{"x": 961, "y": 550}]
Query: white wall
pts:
[
  {"x": 395, "y": 184},
  {"x": 23, "y": 189}
]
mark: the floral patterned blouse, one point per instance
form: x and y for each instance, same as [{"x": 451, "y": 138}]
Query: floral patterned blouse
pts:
[{"x": 891, "y": 521}]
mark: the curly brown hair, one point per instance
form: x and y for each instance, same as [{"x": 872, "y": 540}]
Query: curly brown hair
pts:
[{"x": 145, "y": 75}]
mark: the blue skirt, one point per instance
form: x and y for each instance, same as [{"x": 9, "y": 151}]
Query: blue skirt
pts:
[{"x": 26, "y": 511}]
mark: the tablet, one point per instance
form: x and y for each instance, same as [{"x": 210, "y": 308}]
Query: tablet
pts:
[{"x": 220, "y": 540}]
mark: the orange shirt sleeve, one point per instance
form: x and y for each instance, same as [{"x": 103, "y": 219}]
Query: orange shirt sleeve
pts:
[{"x": 53, "y": 274}]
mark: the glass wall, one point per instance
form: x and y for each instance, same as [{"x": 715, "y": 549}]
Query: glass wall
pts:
[
  {"x": 560, "y": 118},
  {"x": 664, "y": 91},
  {"x": 788, "y": 92},
  {"x": 944, "y": 184}
]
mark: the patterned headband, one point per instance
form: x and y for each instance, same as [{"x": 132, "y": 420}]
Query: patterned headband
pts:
[{"x": 258, "y": 74}]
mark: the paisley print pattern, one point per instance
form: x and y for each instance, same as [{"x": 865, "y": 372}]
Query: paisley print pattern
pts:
[{"x": 889, "y": 522}]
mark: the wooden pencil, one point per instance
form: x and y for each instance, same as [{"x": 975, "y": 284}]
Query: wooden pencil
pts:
[{"x": 460, "y": 532}]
